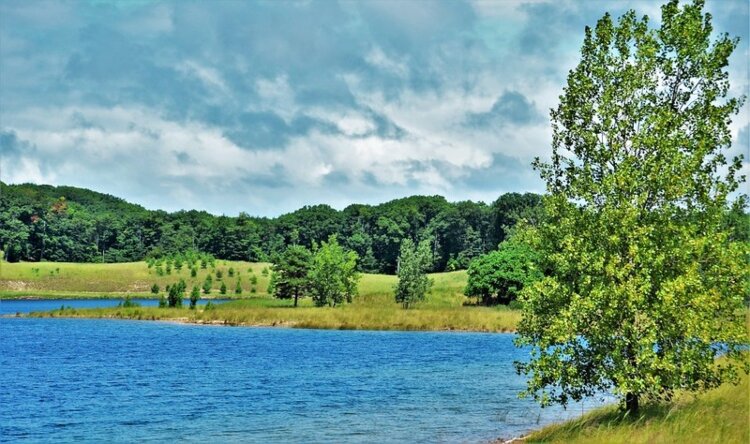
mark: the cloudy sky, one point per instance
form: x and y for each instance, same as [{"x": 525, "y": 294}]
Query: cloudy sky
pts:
[{"x": 233, "y": 106}]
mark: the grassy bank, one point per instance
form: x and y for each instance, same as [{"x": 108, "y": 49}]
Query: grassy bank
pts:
[
  {"x": 718, "y": 416},
  {"x": 65, "y": 280},
  {"x": 373, "y": 309}
]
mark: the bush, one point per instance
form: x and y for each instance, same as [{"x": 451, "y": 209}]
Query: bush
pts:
[
  {"x": 193, "y": 272},
  {"x": 194, "y": 296},
  {"x": 223, "y": 288},
  {"x": 155, "y": 289},
  {"x": 230, "y": 272}
]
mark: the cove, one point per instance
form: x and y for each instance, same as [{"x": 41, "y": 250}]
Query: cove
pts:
[{"x": 123, "y": 381}]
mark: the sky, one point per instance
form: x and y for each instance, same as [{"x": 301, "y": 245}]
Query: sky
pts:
[{"x": 264, "y": 107}]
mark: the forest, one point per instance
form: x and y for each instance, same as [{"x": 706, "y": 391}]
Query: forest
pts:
[{"x": 68, "y": 224}]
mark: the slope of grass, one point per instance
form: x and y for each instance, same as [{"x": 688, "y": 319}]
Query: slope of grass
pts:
[
  {"x": 62, "y": 279},
  {"x": 718, "y": 416},
  {"x": 374, "y": 308}
]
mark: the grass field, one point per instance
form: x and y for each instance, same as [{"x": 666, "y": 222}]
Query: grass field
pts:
[
  {"x": 718, "y": 416},
  {"x": 374, "y": 308}
]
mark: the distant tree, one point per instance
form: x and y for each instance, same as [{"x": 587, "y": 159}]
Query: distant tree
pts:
[
  {"x": 644, "y": 285},
  {"x": 176, "y": 294},
  {"x": 230, "y": 272},
  {"x": 223, "y": 288},
  {"x": 219, "y": 274},
  {"x": 253, "y": 280},
  {"x": 207, "y": 284},
  {"x": 155, "y": 289},
  {"x": 289, "y": 274},
  {"x": 193, "y": 272},
  {"x": 499, "y": 276},
  {"x": 195, "y": 295},
  {"x": 163, "y": 301},
  {"x": 238, "y": 287},
  {"x": 333, "y": 276},
  {"x": 413, "y": 263}
]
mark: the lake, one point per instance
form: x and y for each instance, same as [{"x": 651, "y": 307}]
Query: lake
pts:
[
  {"x": 13, "y": 306},
  {"x": 126, "y": 381}
]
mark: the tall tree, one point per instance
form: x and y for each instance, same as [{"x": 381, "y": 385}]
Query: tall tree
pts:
[
  {"x": 289, "y": 273},
  {"x": 333, "y": 274},
  {"x": 413, "y": 263},
  {"x": 645, "y": 285}
]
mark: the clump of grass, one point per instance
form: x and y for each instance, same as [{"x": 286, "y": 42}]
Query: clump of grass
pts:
[{"x": 717, "y": 416}]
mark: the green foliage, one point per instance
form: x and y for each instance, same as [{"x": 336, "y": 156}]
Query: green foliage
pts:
[
  {"x": 155, "y": 289},
  {"x": 193, "y": 272},
  {"x": 238, "y": 287},
  {"x": 207, "y": 284},
  {"x": 163, "y": 302},
  {"x": 223, "y": 288},
  {"x": 413, "y": 263},
  {"x": 645, "y": 285},
  {"x": 195, "y": 295},
  {"x": 230, "y": 272},
  {"x": 176, "y": 294},
  {"x": 289, "y": 275},
  {"x": 499, "y": 276},
  {"x": 219, "y": 274},
  {"x": 253, "y": 280},
  {"x": 333, "y": 274}
]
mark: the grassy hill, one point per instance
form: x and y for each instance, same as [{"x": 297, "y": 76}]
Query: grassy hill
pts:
[{"x": 374, "y": 308}]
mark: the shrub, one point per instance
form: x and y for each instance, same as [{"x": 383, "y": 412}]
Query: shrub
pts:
[{"x": 155, "y": 289}]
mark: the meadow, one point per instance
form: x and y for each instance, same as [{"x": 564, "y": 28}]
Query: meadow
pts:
[{"x": 446, "y": 308}]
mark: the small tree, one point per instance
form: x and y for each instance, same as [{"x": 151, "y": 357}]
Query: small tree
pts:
[
  {"x": 333, "y": 276},
  {"x": 195, "y": 295},
  {"x": 499, "y": 276},
  {"x": 155, "y": 289},
  {"x": 413, "y": 263},
  {"x": 238, "y": 287},
  {"x": 207, "y": 284},
  {"x": 223, "y": 288},
  {"x": 219, "y": 274},
  {"x": 193, "y": 272},
  {"x": 163, "y": 302},
  {"x": 289, "y": 275},
  {"x": 230, "y": 272},
  {"x": 644, "y": 285},
  {"x": 176, "y": 294}
]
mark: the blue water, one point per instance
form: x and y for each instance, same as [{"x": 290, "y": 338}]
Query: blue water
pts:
[
  {"x": 13, "y": 306},
  {"x": 132, "y": 381}
]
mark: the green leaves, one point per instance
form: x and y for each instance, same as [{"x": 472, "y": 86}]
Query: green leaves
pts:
[
  {"x": 499, "y": 276},
  {"x": 645, "y": 278},
  {"x": 333, "y": 275},
  {"x": 413, "y": 263}
]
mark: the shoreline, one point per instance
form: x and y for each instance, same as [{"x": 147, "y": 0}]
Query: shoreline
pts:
[{"x": 55, "y": 314}]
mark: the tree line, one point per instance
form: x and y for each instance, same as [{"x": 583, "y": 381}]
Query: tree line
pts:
[{"x": 67, "y": 224}]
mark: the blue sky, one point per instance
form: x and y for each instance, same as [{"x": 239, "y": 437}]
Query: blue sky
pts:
[{"x": 264, "y": 107}]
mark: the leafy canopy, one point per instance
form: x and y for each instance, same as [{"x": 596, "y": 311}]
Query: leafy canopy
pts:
[
  {"x": 646, "y": 286},
  {"x": 333, "y": 274},
  {"x": 413, "y": 263},
  {"x": 499, "y": 276}
]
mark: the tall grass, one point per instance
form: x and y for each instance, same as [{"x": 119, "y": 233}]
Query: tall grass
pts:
[{"x": 718, "y": 416}]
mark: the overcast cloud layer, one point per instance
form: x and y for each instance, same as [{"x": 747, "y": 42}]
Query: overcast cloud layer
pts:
[{"x": 233, "y": 106}]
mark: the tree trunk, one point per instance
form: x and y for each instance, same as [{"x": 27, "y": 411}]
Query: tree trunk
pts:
[
  {"x": 631, "y": 403},
  {"x": 296, "y": 295}
]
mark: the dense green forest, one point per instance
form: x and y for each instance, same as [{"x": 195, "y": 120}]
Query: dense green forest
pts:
[{"x": 42, "y": 222}]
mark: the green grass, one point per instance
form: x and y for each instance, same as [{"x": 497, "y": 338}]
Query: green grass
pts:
[
  {"x": 717, "y": 416},
  {"x": 65, "y": 280},
  {"x": 373, "y": 309}
]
